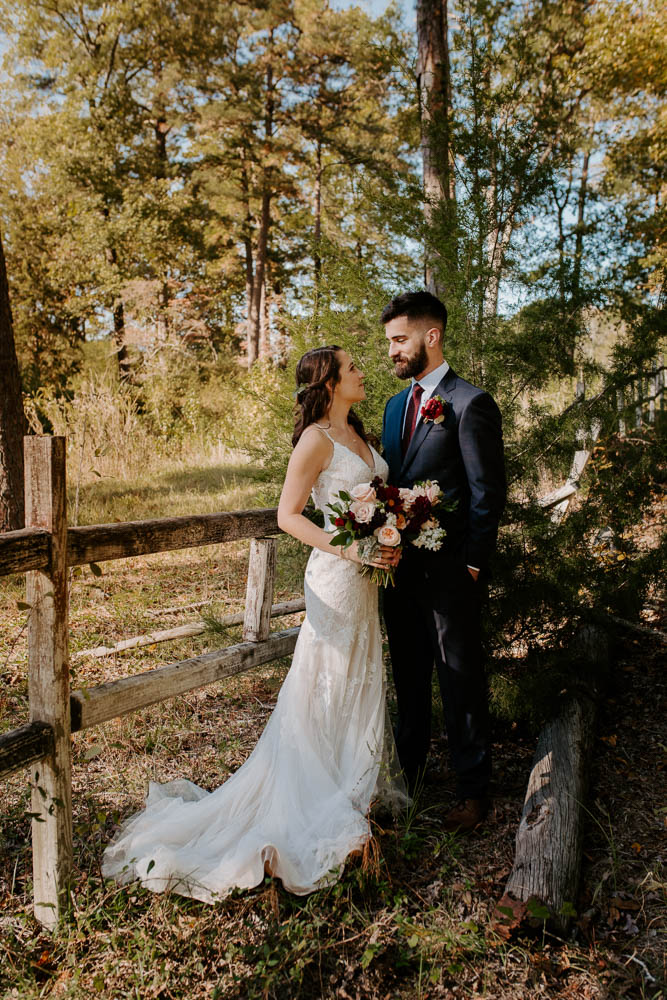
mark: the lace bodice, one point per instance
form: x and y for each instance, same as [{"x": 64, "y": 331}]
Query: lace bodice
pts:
[{"x": 346, "y": 469}]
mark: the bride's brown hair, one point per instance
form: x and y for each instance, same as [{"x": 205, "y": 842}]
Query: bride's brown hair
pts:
[{"x": 317, "y": 372}]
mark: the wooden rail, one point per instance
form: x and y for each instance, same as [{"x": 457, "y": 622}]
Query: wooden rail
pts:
[
  {"x": 25, "y": 745},
  {"x": 44, "y": 550},
  {"x": 29, "y": 548},
  {"x": 644, "y": 396}
]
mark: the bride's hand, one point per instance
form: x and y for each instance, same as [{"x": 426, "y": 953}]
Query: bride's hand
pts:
[{"x": 388, "y": 558}]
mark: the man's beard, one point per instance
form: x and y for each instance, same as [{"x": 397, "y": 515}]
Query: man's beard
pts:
[{"x": 413, "y": 366}]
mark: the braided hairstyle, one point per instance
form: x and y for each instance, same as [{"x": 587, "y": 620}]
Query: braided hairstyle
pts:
[{"x": 317, "y": 372}]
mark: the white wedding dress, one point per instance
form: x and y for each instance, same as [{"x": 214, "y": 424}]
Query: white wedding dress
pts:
[{"x": 299, "y": 804}]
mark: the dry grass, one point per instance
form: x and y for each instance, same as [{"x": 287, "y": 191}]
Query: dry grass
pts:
[{"x": 418, "y": 926}]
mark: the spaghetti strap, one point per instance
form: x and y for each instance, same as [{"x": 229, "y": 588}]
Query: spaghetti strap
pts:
[{"x": 325, "y": 432}]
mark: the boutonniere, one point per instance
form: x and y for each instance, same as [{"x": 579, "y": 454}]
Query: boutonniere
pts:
[{"x": 433, "y": 410}]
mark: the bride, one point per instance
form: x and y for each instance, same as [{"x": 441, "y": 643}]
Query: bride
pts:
[{"x": 299, "y": 804}]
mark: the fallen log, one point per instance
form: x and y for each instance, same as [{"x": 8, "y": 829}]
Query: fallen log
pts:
[{"x": 547, "y": 863}]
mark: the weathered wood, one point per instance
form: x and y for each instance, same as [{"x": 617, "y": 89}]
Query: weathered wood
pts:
[
  {"x": 259, "y": 589},
  {"x": 178, "y": 609},
  {"x": 549, "y": 839},
  {"x": 24, "y": 746},
  {"x": 99, "y": 542},
  {"x": 620, "y": 407},
  {"x": 185, "y": 631},
  {"x": 563, "y": 492},
  {"x": 24, "y": 550},
  {"x": 559, "y": 500},
  {"x": 108, "y": 701},
  {"x": 48, "y": 676}
]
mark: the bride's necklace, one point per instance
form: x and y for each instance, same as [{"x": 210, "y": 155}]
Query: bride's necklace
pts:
[{"x": 352, "y": 443}]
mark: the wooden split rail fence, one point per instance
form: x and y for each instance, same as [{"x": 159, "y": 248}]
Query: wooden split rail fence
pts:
[
  {"x": 47, "y": 547},
  {"x": 44, "y": 550},
  {"x": 637, "y": 405}
]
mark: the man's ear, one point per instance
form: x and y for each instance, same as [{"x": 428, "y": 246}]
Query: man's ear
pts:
[{"x": 433, "y": 336}]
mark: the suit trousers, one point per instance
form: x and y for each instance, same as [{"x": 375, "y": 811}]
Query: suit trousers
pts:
[{"x": 433, "y": 618}]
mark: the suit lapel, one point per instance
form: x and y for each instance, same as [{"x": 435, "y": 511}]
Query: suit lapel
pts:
[
  {"x": 394, "y": 428},
  {"x": 444, "y": 388}
]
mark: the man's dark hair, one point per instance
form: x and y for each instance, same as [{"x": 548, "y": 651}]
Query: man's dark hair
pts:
[{"x": 416, "y": 305}]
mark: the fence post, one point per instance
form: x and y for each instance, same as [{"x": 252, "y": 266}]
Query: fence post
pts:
[
  {"x": 48, "y": 677},
  {"x": 639, "y": 400},
  {"x": 259, "y": 591}
]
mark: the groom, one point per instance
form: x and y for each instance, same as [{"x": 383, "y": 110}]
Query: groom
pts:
[{"x": 433, "y": 612}]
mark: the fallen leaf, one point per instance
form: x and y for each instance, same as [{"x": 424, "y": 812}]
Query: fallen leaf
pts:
[{"x": 507, "y": 916}]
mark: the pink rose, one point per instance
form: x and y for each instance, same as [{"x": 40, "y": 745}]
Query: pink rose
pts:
[
  {"x": 407, "y": 496},
  {"x": 388, "y": 535},
  {"x": 363, "y": 491},
  {"x": 363, "y": 512},
  {"x": 433, "y": 492}
]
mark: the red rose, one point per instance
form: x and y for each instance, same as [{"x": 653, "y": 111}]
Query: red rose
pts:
[
  {"x": 339, "y": 522},
  {"x": 422, "y": 507},
  {"x": 434, "y": 410}
]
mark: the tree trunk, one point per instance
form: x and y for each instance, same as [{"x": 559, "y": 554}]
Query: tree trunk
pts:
[
  {"x": 255, "y": 322},
  {"x": 255, "y": 319},
  {"x": 317, "y": 232},
  {"x": 264, "y": 327},
  {"x": 549, "y": 839},
  {"x": 247, "y": 248},
  {"x": 433, "y": 77},
  {"x": 118, "y": 310},
  {"x": 579, "y": 241},
  {"x": 161, "y": 131},
  {"x": 13, "y": 424},
  {"x": 119, "y": 340}
]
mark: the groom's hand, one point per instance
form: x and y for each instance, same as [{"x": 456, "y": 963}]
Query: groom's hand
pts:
[{"x": 390, "y": 555}]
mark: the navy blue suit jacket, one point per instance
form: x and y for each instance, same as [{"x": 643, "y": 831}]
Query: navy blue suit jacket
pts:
[{"x": 464, "y": 454}]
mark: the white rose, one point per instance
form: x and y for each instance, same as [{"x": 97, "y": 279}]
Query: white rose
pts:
[
  {"x": 388, "y": 535},
  {"x": 407, "y": 496},
  {"x": 433, "y": 492},
  {"x": 363, "y": 512},
  {"x": 363, "y": 491}
]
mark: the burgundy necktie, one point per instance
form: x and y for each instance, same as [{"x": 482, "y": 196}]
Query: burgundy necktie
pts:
[{"x": 411, "y": 416}]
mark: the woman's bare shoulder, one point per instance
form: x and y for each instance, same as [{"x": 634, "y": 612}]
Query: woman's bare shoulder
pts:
[{"x": 313, "y": 445}]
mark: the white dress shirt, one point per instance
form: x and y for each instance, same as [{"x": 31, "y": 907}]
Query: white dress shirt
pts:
[{"x": 429, "y": 384}]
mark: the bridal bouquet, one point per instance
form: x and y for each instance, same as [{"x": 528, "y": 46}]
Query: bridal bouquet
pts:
[{"x": 374, "y": 514}]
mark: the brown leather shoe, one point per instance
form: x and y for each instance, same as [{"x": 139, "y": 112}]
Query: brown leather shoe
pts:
[{"x": 465, "y": 815}]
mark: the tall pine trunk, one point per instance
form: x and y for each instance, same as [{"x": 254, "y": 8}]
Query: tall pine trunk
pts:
[
  {"x": 13, "y": 424},
  {"x": 261, "y": 254},
  {"x": 119, "y": 332},
  {"x": 258, "y": 289},
  {"x": 579, "y": 240},
  {"x": 247, "y": 248},
  {"x": 433, "y": 76},
  {"x": 161, "y": 131}
]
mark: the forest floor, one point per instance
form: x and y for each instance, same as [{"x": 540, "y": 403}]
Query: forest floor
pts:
[{"x": 415, "y": 921}]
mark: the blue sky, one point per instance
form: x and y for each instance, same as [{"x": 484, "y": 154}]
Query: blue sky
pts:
[{"x": 376, "y": 7}]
